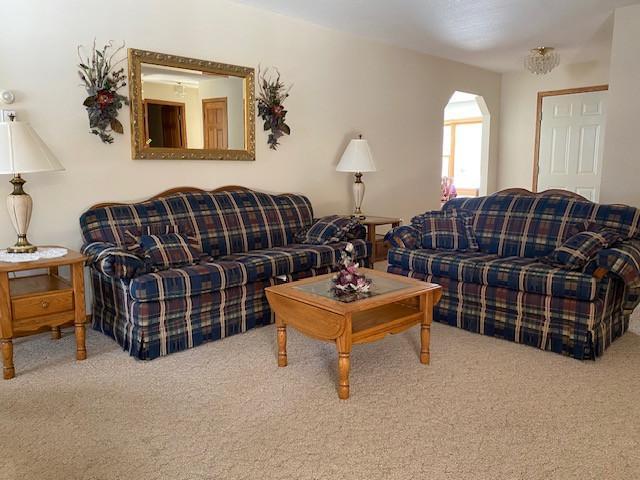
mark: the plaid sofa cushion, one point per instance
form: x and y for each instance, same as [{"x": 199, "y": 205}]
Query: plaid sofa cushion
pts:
[
  {"x": 576, "y": 252},
  {"x": 567, "y": 326},
  {"x": 530, "y": 225},
  {"x": 187, "y": 281},
  {"x": 265, "y": 264},
  {"x": 329, "y": 229},
  {"x": 223, "y": 223},
  {"x": 514, "y": 273},
  {"x": 236, "y": 270},
  {"x": 404, "y": 236},
  {"x": 169, "y": 250},
  {"x": 446, "y": 230}
]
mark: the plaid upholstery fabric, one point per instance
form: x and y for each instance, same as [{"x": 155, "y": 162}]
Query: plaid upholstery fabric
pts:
[
  {"x": 237, "y": 270},
  {"x": 513, "y": 224},
  {"x": 114, "y": 261},
  {"x": 446, "y": 230},
  {"x": 574, "y": 253},
  {"x": 329, "y": 229},
  {"x": 187, "y": 281},
  {"x": 623, "y": 262},
  {"x": 567, "y": 326},
  {"x": 513, "y": 273},
  {"x": 223, "y": 223},
  {"x": 150, "y": 329},
  {"x": 169, "y": 250},
  {"x": 264, "y": 264},
  {"x": 404, "y": 236}
]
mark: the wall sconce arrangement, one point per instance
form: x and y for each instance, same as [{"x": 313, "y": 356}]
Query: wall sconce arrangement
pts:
[{"x": 102, "y": 80}]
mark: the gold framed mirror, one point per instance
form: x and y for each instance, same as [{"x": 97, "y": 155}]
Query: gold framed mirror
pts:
[{"x": 188, "y": 109}]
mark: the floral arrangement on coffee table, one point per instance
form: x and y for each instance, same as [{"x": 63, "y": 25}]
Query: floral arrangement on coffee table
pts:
[
  {"x": 271, "y": 95},
  {"x": 102, "y": 80},
  {"x": 348, "y": 280}
]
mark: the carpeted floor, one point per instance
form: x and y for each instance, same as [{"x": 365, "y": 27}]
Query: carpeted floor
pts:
[{"x": 483, "y": 409}]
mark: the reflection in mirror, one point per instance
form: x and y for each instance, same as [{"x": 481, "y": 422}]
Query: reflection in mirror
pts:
[
  {"x": 188, "y": 109},
  {"x": 192, "y": 109}
]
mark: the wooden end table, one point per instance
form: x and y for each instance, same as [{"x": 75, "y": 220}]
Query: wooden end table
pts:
[
  {"x": 395, "y": 304},
  {"x": 30, "y": 303},
  {"x": 378, "y": 248}
]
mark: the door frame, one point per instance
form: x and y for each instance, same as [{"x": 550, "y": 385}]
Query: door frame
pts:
[
  {"x": 204, "y": 116},
  {"x": 541, "y": 96},
  {"x": 183, "y": 121}
]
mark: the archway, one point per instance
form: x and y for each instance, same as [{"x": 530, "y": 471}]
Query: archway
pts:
[{"x": 465, "y": 146}]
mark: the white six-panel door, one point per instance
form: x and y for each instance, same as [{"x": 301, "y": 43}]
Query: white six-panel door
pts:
[{"x": 571, "y": 143}]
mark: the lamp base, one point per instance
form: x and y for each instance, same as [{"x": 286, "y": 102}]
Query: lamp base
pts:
[
  {"x": 358, "y": 196},
  {"x": 20, "y": 206},
  {"x": 22, "y": 246}
]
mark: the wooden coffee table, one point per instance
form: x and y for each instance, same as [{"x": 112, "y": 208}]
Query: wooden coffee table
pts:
[{"x": 395, "y": 304}]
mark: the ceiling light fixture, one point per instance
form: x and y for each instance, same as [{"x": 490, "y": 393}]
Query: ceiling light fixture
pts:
[{"x": 541, "y": 60}]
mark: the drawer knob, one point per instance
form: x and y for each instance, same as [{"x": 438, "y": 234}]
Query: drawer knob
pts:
[{"x": 45, "y": 304}]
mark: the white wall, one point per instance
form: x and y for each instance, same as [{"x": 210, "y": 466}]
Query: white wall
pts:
[
  {"x": 620, "y": 177},
  {"x": 518, "y": 114},
  {"x": 344, "y": 85},
  {"x": 622, "y": 144}
]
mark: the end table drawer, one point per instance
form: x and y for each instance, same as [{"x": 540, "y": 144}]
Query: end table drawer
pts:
[{"x": 42, "y": 305}]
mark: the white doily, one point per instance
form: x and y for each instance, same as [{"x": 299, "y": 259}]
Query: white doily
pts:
[{"x": 41, "y": 253}]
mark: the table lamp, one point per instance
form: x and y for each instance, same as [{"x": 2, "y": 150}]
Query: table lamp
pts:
[
  {"x": 22, "y": 151},
  {"x": 357, "y": 159}
]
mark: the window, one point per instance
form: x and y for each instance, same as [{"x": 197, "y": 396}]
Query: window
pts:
[{"x": 461, "y": 154}]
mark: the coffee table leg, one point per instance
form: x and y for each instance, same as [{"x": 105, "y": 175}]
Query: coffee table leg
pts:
[
  {"x": 426, "y": 305},
  {"x": 344, "y": 364},
  {"x": 282, "y": 343}
]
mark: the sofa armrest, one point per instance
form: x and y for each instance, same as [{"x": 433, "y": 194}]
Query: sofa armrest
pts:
[
  {"x": 622, "y": 261},
  {"x": 404, "y": 236},
  {"x": 113, "y": 261}
]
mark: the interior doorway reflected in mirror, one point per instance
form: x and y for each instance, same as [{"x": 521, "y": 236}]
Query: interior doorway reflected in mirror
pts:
[{"x": 209, "y": 107}]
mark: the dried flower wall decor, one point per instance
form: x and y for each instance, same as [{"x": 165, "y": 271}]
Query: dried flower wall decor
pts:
[
  {"x": 102, "y": 79},
  {"x": 271, "y": 95}
]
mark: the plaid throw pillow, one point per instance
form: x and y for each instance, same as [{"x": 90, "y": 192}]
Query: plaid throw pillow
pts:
[
  {"x": 576, "y": 251},
  {"x": 134, "y": 234},
  {"x": 446, "y": 231},
  {"x": 330, "y": 229},
  {"x": 170, "y": 250}
]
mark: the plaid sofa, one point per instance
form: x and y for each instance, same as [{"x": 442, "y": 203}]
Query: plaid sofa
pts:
[
  {"x": 503, "y": 290},
  {"x": 250, "y": 239}
]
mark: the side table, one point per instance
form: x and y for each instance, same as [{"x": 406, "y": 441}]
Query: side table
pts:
[
  {"x": 378, "y": 248},
  {"x": 29, "y": 303}
]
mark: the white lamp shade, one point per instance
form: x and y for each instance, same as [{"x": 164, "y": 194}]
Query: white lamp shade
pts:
[
  {"x": 22, "y": 150},
  {"x": 357, "y": 157}
]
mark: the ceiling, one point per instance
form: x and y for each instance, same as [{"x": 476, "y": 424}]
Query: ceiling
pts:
[{"x": 493, "y": 34}]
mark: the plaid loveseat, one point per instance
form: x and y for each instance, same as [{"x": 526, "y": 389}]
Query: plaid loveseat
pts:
[
  {"x": 503, "y": 290},
  {"x": 250, "y": 240}
]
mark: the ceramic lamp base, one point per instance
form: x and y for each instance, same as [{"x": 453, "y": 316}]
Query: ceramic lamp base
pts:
[
  {"x": 358, "y": 195},
  {"x": 20, "y": 207}
]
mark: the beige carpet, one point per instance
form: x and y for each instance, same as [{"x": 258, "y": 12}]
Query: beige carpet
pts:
[{"x": 483, "y": 409}]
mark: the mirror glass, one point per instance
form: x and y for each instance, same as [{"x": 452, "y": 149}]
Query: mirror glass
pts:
[
  {"x": 184, "y": 108},
  {"x": 192, "y": 109}
]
